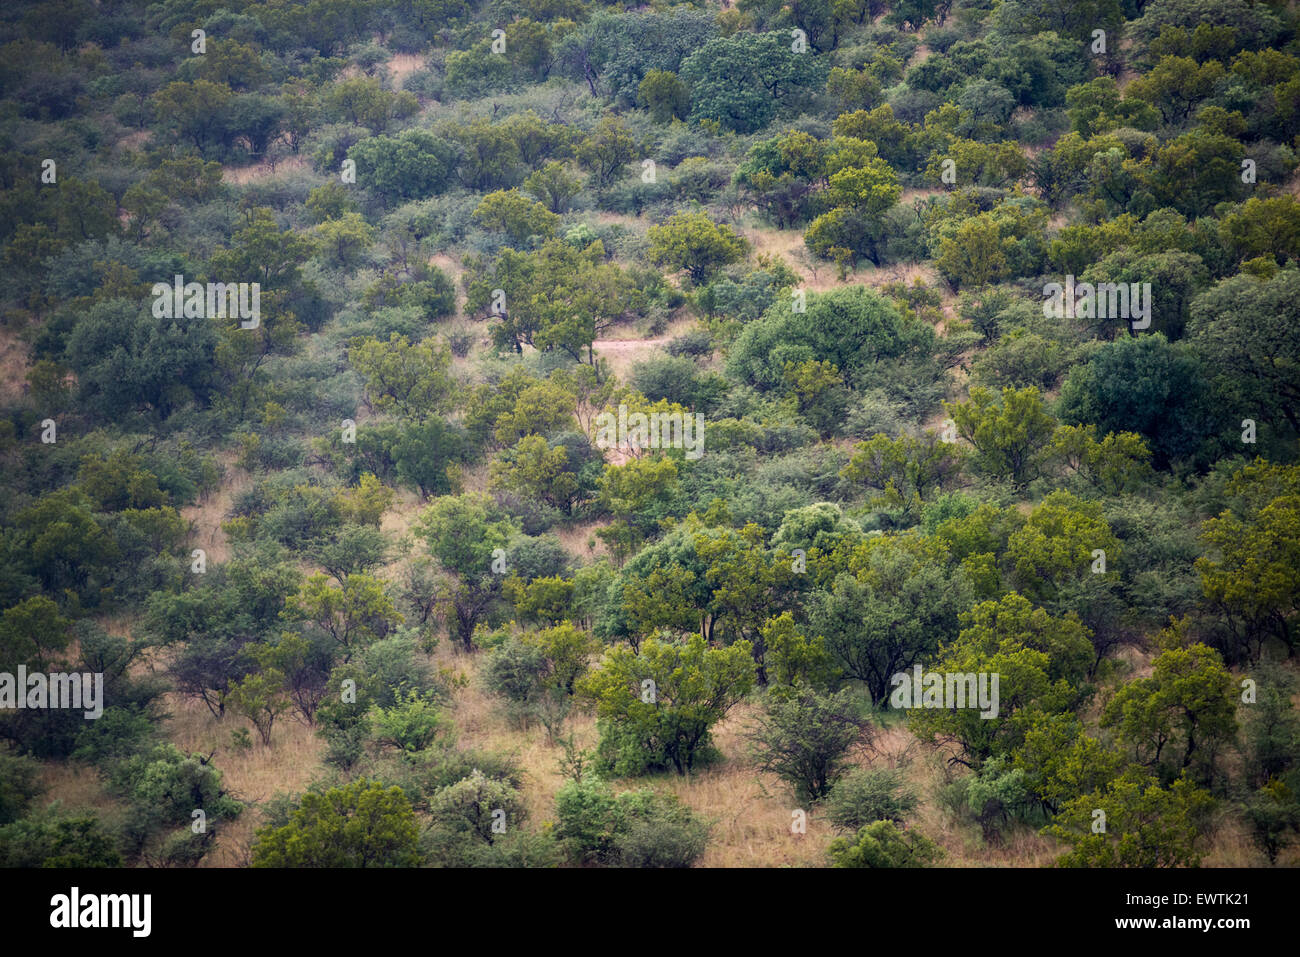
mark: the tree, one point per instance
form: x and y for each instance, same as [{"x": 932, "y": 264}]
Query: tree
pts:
[
  {"x": 782, "y": 173},
  {"x": 884, "y": 844},
  {"x": 346, "y": 239},
  {"x": 33, "y": 633},
  {"x": 514, "y": 214},
  {"x": 414, "y": 379},
  {"x": 1146, "y": 825},
  {"x": 664, "y": 95},
  {"x": 739, "y": 81},
  {"x": 804, "y": 738},
  {"x": 866, "y": 795},
  {"x": 903, "y": 470},
  {"x": 361, "y": 824},
  {"x": 546, "y": 472},
  {"x": 354, "y": 614},
  {"x": 1241, "y": 328},
  {"x": 411, "y": 724},
  {"x": 1040, "y": 660},
  {"x": 693, "y": 242},
  {"x": 412, "y": 165},
  {"x": 606, "y": 151},
  {"x": 656, "y": 707},
  {"x": 304, "y": 666},
  {"x": 854, "y": 328},
  {"x": 1008, "y": 436},
  {"x": 974, "y": 253},
  {"x": 489, "y": 155},
  {"x": 979, "y": 164},
  {"x": 468, "y": 539},
  {"x": 54, "y": 842},
  {"x": 1098, "y": 107},
  {"x": 1188, "y": 702},
  {"x": 896, "y": 608},
  {"x": 1062, "y": 762},
  {"x": 477, "y": 805},
  {"x": 197, "y": 111},
  {"x": 425, "y": 451},
  {"x": 859, "y": 197},
  {"x": 1264, "y": 227},
  {"x": 1253, "y": 573},
  {"x": 633, "y": 829},
  {"x": 261, "y": 699},
  {"x": 128, "y": 361},
  {"x": 1197, "y": 170},
  {"x": 163, "y": 787},
  {"x": 1175, "y": 84},
  {"x": 557, "y": 298},
  {"x": 361, "y": 100},
  {"x": 554, "y": 186},
  {"x": 1058, "y": 544},
  {"x": 1147, "y": 386}
]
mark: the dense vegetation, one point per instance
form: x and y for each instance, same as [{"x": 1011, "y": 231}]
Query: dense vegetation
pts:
[{"x": 365, "y": 583}]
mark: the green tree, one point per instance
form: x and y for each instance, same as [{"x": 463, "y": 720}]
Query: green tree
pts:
[
  {"x": 1057, "y": 545},
  {"x": 606, "y": 151},
  {"x": 1009, "y": 436},
  {"x": 1144, "y": 385},
  {"x": 414, "y": 164},
  {"x": 739, "y": 81},
  {"x": 1240, "y": 327},
  {"x": 804, "y": 739},
  {"x": 656, "y": 707},
  {"x": 1252, "y": 574},
  {"x": 1189, "y": 702},
  {"x": 1264, "y": 227},
  {"x": 664, "y": 95},
  {"x": 1145, "y": 825},
  {"x": 354, "y": 614},
  {"x": 859, "y": 197},
  {"x": 412, "y": 378},
  {"x": 903, "y": 470},
  {"x": 468, "y": 539},
  {"x": 163, "y": 788},
  {"x": 261, "y": 699},
  {"x": 514, "y": 214},
  {"x": 362, "y": 824},
  {"x": 866, "y": 795},
  {"x": 693, "y": 242},
  {"x": 554, "y": 186},
  {"x": 346, "y": 238},
  {"x": 896, "y": 608}
]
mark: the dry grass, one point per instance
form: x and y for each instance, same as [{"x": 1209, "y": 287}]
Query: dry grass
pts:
[
  {"x": 206, "y": 517},
  {"x": 623, "y": 354},
  {"x": 575, "y": 538},
  {"x": 242, "y": 175},
  {"x": 76, "y": 787},
  {"x": 403, "y": 65},
  {"x": 251, "y": 776},
  {"x": 751, "y": 812},
  {"x": 14, "y": 354}
]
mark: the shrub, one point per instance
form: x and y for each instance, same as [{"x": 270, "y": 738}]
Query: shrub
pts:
[
  {"x": 867, "y": 795},
  {"x": 884, "y": 844}
]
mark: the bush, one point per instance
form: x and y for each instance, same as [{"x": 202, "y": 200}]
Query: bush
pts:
[
  {"x": 884, "y": 844},
  {"x": 361, "y": 824},
  {"x": 805, "y": 737},
  {"x": 696, "y": 343},
  {"x": 867, "y": 795},
  {"x": 68, "y": 842},
  {"x": 633, "y": 829}
]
